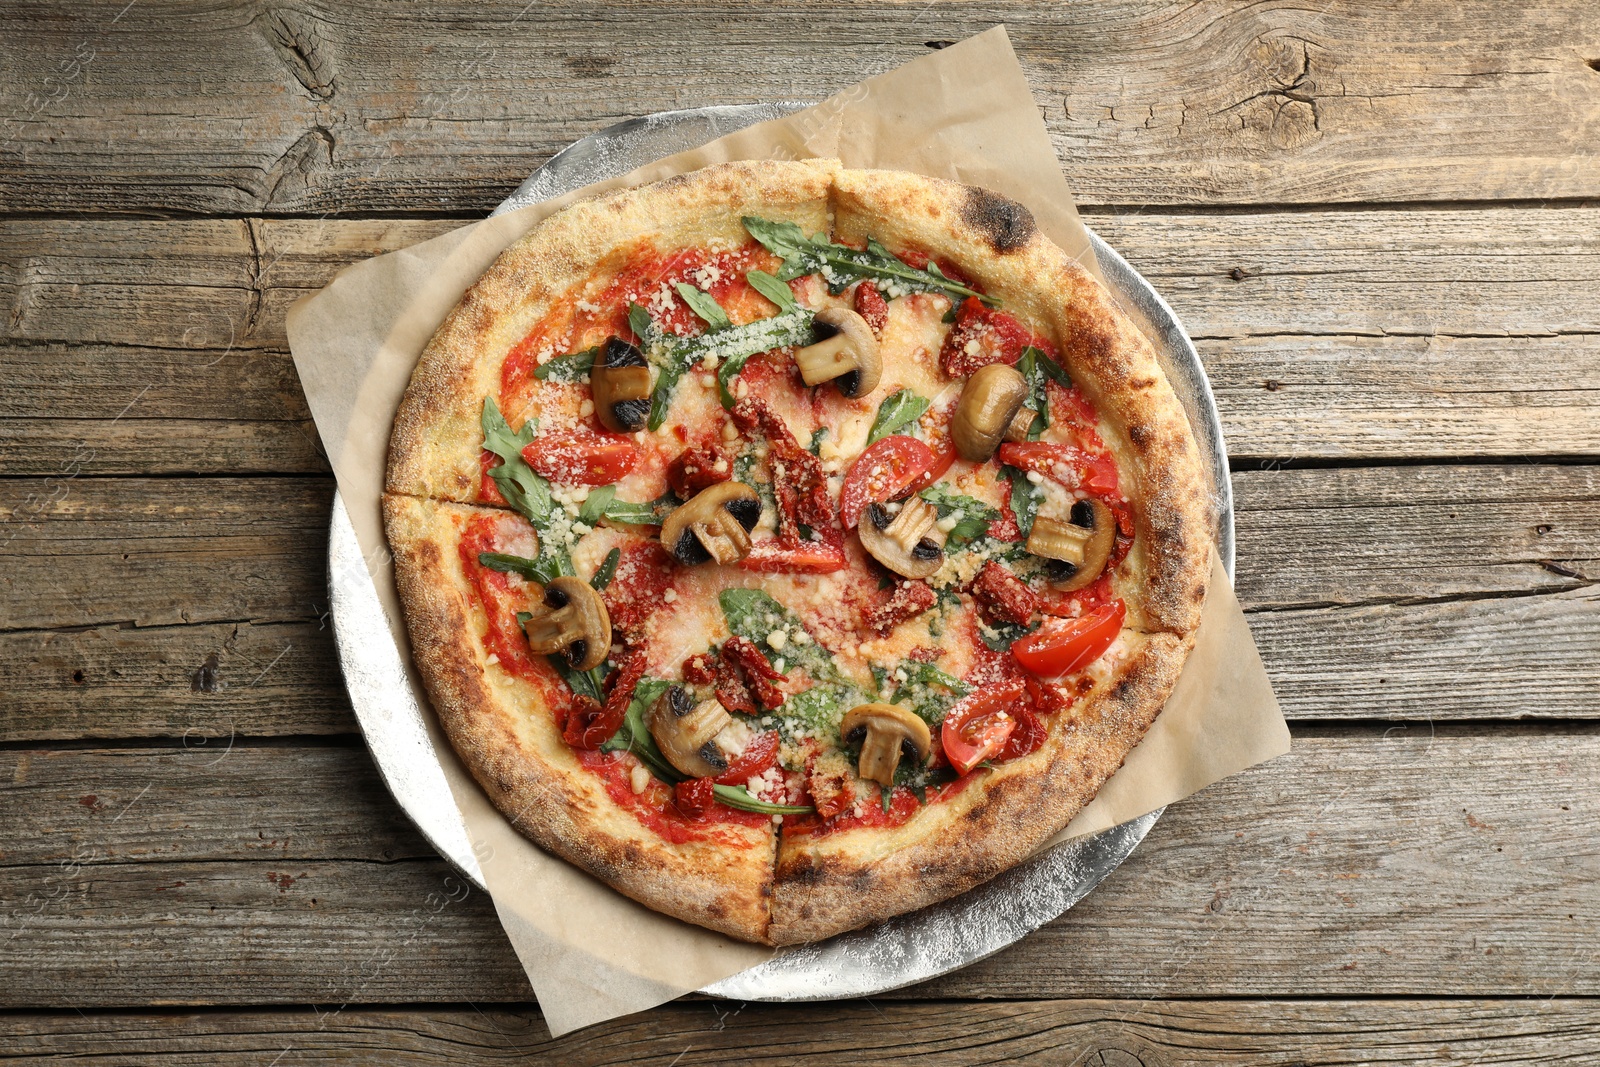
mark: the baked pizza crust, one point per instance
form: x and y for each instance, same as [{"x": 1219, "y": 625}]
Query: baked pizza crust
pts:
[{"x": 803, "y": 888}]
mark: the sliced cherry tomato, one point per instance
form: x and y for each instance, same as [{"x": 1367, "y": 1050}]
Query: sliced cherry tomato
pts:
[
  {"x": 980, "y": 725},
  {"x": 1063, "y": 647},
  {"x": 695, "y": 797},
  {"x": 883, "y": 472},
  {"x": 582, "y": 458},
  {"x": 759, "y": 756},
  {"x": 809, "y": 557},
  {"x": 1094, "y": 473}
]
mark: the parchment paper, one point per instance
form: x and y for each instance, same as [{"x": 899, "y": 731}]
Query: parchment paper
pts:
[{"x": 965, "y": 113}]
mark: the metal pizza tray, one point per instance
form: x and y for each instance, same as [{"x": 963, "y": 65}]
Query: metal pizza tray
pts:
[{"x": 908, "y": 949}]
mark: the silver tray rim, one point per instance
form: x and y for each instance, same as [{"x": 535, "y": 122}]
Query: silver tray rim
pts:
[{"x": 886, "y": 956}]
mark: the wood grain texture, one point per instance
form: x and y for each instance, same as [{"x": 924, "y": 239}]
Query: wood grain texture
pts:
[
  {"x": 349, "y": 108},
  {"x": 197, "y": 606},
  {"x": 1353, "y": 335},
  {"x": 1049, "y": 1033},
  {"x": 1408, "y": 861},
  {"x": 201, "y": 681}
]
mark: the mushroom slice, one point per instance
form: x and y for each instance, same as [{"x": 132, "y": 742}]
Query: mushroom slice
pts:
[
  {"x": 714, "y": 525},
  {"x": 885, "y": 732},
  {"x": 1079, "y": 547},
  {"x": 620, "y": 379},
  {"x": 687, "y": 732},
  {"x": 909, "y": 542},
  {"x": 574, "y": 623},
  {"x": 846, "y": 353},
  {"x": 989, "y": 404}
]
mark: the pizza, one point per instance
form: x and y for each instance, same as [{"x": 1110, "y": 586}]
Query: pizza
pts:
[{"x": 792, "y": 546}]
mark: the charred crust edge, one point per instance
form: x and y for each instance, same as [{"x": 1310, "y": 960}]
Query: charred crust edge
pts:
[{"x": 1005, "y": 224}]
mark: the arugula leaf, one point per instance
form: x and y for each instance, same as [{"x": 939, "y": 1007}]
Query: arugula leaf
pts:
[
  {"x": 1035, "y": 367},
  {"x": 648, "y": 513},
  {"x": 820, "y": 708},
  {"x": 523, "y": 488},
  {"x": 674, "y": 355},
  {"x": 705, "y": 305},
  {"x": 840, "y": 265},
  {"x": 744, "y": 470},
  {"x": 771, "y": 288},
  {"x": 573, "y": 368},
  {"x": 975, "y": 515},
  {"x": 543, "y": 570},
  {"x": 606, "y": 571},
  {"x": 753, "y": 614},
  {"x": 899, "y": 408},
  {"x": 639, "y": 322},
  {"x": 1001, "y": 635},
  {"x": 634, "y": 736},
  {"x": 1025, "y": 498},
  {"x": 595, "y": 504},
  {"x": 737, "y": 796},
  {"x": 817, "y": 437},
  {"x": 921, "y": 691}
]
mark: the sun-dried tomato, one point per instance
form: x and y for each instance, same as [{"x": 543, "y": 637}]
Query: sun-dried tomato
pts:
[
  {"x": 700, "y": 669},
  {"x": 981, "y": 336},
  {"x": 798, "y": 481},
  {"x": 908, "y": 600},
  {"x": 585, "y": 727},
  {"x": 698, "y": 468},
  {"x": 590, "y": 725},
  {"x": 831, "y": 793},
  {"x": 872, "y": 307},
  {"x": 759, "y": 674},
  {"x": 1003, "y": 596}
]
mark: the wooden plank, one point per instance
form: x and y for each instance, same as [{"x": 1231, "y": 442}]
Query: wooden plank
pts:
[
  {"x": 1105, "y": 1033},
  {"x": 203, "y": 799},
  {"x": 1366, "y": 862},
  {"x": 205, "y": 682},
  {"x": 344, "y": 108},
  {"x": 1355, "y": 535},
  {"x": 165, "y": 552},
  {"x": 1416, "y": 570},
  {"x": 1343, "y": 338}
]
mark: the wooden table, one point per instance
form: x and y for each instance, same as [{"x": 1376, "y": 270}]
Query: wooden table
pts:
[{"x": 1380, "y": 228}]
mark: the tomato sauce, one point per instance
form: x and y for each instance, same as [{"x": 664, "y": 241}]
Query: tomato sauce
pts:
[{"x": 653, "y": 806}]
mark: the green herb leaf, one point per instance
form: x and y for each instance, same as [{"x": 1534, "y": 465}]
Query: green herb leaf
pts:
[
  {"x": 770, "y": 287},
  {"x": 975, "y": 515},
  {"x": 900, "y": 408},
  {"x": 704, "y": 305},
  {"x": 1000, "y": 636},
  {"x": 818, "y": 435},
  {"x": 523, "y": 488},
  {"x": 649, "y": 513},
  {"x": 674, "y": 355},
  {"x": 1025, "y": 498},
  {"x": 641, "y": 325},
  {"x": 634, "y": 736},
  {"x": 606, "y": 571},
  {"x": 737, "y": 796},
  {"x": 927, "y": 690},
  {"x": 573, "y": 368},
  {"x": 595, "y": 504},
  {"x": 753, "y": 614},
  {"x": 1035, "y": 367},
  {"x": 840, "y": 265},
  {"x": 543, "y": 570}
]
